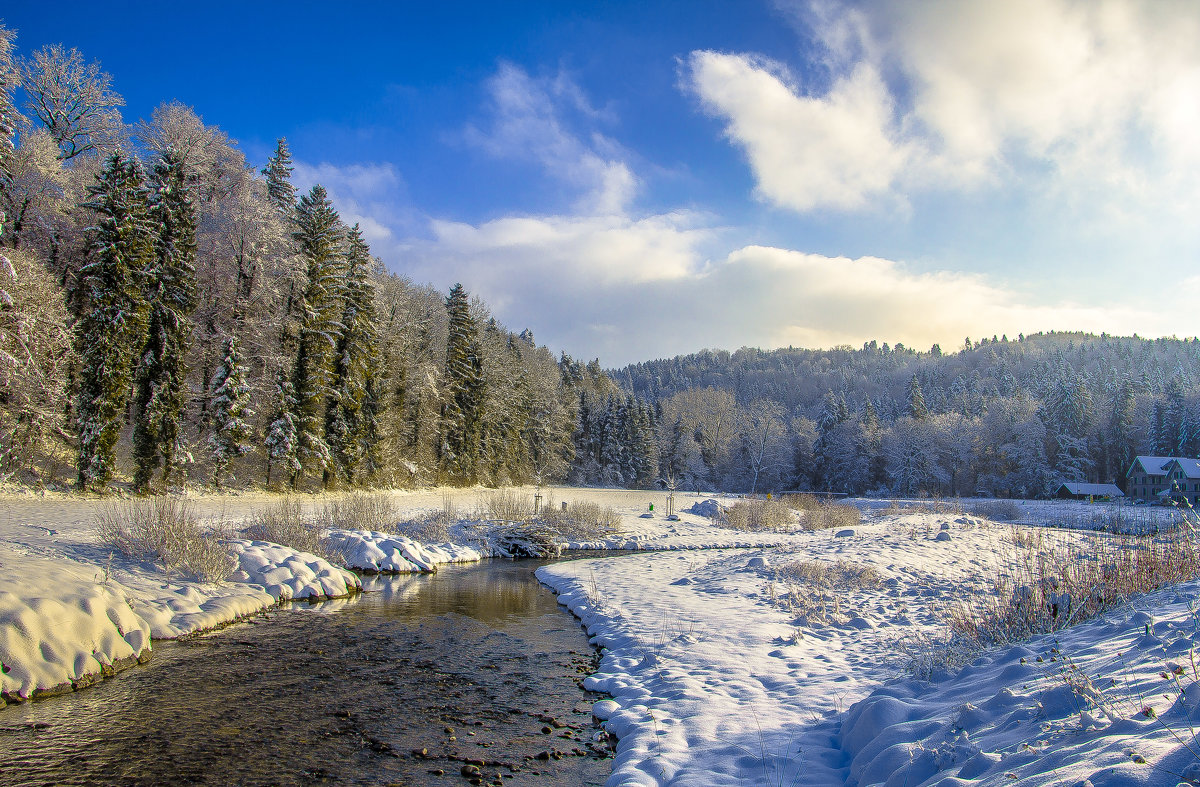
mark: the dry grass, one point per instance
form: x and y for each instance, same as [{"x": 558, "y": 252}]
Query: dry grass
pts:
[
  {"x": 1053, "y": 583},
  {"x": 166, "y": 530},
  {"x": 756, "y": 515},
  {"x": 818, "y": 514},
  {"x": 506, "y": 505},
  {"x": 812, "y": 589}
]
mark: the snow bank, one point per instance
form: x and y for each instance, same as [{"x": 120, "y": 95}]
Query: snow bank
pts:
[
  {"x": 62, "y": 629},
  {"x": 370, "y": 550},
  {"x": 62, "y": 632},
  {"x": 1112, "y": 701}
]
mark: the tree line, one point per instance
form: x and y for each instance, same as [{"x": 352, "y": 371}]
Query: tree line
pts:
[
  {"x": 997, "y": 417},
  {"x": 170, "y": 313}
]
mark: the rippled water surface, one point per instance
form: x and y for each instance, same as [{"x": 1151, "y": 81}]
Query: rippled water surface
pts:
[{"x": 468, "y": 674}]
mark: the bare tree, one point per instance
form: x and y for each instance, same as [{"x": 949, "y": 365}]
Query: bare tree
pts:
[
  {"x": 36, "y": 189},
  {"x": 215, "y": 168},
  {"x": 74, "y": 100}
]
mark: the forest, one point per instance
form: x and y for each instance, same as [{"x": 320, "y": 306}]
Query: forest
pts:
[{"x": 173, "y": 314}]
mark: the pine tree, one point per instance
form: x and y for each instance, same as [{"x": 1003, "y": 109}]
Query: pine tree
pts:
[
  {"x": 113, "y": 323},
  {"x": 347, "y": 423},
  {"x": 229, "y": 407},
  {"x": 282, "y": 437},
  {"x": 171, "y": 296},
  {"x": 459, "y": 454},
  {"x": 916, "y": 400},
  {"x": 319, "y": 235},
  {"x": 280, "y": 191}
]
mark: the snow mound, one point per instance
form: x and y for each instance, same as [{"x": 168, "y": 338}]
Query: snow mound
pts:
[
  {"x": 58, "y": 642},
  {"x": 285, "y": 573},
  {"x": 370, "y": 550},
  {"x": 706, "y": 508}
]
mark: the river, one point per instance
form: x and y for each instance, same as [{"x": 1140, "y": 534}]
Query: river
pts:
[{"x": 467, "y": 676}]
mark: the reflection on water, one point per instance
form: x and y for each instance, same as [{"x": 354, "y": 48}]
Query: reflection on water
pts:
[{"x": 407, "y": 684}]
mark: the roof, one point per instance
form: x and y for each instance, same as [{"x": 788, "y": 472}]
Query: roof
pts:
[
  {"x": 1094, "y": 490},
  {"x": 1190, "y": 467},
  {"x": 1153, "y": 465}
]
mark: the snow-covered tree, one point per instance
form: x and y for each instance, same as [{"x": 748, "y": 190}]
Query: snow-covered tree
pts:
[
  {"x": 278, "y": 172},
  {"x": 73, "y": 100},
  {"x": 170, "y": 280},
  {"x": 347, "y": 419},
  {"x": 229, "y": 411},
  {"x": 319, "y": 236},
  {"x": 459, "y": 454},
  {"x": 10, "y": 119},
  {"x": 282, "y": 435},
  {"x": 113, "y": 324}
]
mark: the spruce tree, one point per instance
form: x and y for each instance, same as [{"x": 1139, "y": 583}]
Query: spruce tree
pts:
[
  {"x": 113, "y": 323},
  {"x": 347, "y": 421},
  {"x": 319, "y": 235},
  {"x": 461, "y": 433},
  {"x": 160, "y": 379},
  {"x": 916, "y": 400},
  {"x": 282, "y": 436},
  {"x": 280, "y": 191},
  {"x": 229, "y": 407}
]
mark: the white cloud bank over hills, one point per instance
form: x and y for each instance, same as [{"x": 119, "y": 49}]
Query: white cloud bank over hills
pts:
[{"x": 1092, "y": 105}]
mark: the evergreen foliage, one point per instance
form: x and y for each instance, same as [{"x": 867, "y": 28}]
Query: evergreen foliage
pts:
[
  {"x": 278, "y": 172},
  {"x": 113, "y": 322},
  {"x": 319, "y": 236},
  {"x": 460, "y": 422},
  {"x": 282, "y": 435},
  {"x": 229, "y": 409},
  {"x": 170, "y": 280}
]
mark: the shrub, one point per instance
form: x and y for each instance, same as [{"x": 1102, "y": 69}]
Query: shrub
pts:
[
  {"x": 507, "y": 506},
  {"x": 581, "y": 521},
  {"x": 756, "y": 515},
  {"x": 166, "y": 529},
  {"x": 840, "y": 574},
  {"x": 818, "y": 514},
  {"x": 287, "y": 523},
  {"x": 998, "y": 510},
  {"x": 359, "y": 511},
  {"x": 432, "y": 526}
]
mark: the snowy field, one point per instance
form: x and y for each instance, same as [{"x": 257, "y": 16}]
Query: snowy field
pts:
[{"x": 726, "y": 666}]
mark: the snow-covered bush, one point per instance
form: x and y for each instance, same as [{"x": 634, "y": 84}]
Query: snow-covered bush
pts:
[
  {"x": 166, "y": 530},
  {"x": 506, "y": 505}
]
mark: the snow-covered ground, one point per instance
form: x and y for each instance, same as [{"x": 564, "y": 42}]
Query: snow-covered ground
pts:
[{"x": 724, "y": 669}]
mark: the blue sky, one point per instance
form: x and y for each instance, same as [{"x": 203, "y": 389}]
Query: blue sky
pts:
[{"x": 635, "y": 180}]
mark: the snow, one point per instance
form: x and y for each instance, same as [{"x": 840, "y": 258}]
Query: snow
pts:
[{"x": 722, "y": 666}]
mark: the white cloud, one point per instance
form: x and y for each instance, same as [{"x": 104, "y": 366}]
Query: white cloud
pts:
[
  {"x": 530, "y": 122},
  {"x": 807, "y": 152},
  {"x": 1074, "y": 96}
]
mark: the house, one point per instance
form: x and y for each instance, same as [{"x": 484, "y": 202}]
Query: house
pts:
[
  {"x": 1156, "y": 478},
  {"x": 1183, "y": 480},
  {"x": 1072, "y": 490}
]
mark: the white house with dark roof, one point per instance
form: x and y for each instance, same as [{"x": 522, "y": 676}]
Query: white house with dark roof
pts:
[{"x": 1158, "y": 478}]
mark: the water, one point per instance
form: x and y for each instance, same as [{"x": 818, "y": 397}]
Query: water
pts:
[{"x": 474, "y": 667}]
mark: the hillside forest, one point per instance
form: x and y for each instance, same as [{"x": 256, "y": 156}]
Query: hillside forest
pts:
[{"x": 171, "y": 313}]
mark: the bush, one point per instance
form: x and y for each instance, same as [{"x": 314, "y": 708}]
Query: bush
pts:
[
  {"x": 818, "y": 514},
  {"x": 581, "y": 521},
  {"x": 167, "y": 530},
  {"x": 756, "y": 515},
  {"x": 287, "y": 523},
  {"x": 507, "y": 506},
  {"x": 998, "y": 510},
  {"x": 818, "y": 600},
  {"x": 359, "y": 511},
  {"x": 432, "y": 526}
]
